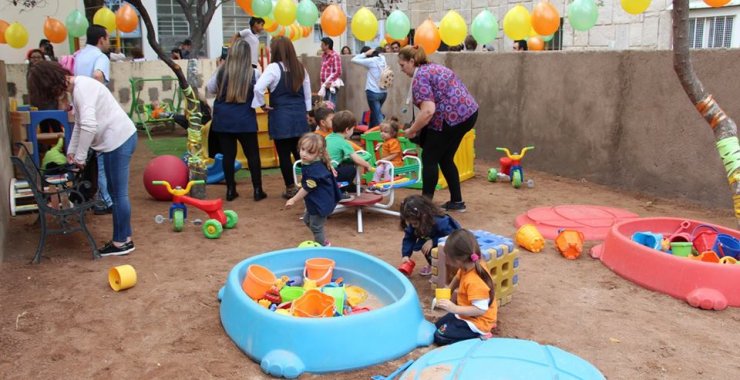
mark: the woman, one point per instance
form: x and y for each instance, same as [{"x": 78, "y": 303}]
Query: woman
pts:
[
  {"x": 290, "y": 101},
  {"x": 234, "y": 118},
  {"x": 346, "y": 50},
  {"x": 100, "y": 124},
  {"x": 447, "y": 113},
  {"x": 376, "y": 96},
  {"x": 35, "y": 56}
]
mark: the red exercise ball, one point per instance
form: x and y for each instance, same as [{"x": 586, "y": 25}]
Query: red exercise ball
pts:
[{"x": 165, "y": 168}]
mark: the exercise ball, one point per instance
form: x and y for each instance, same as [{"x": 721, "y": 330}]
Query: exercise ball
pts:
[{"x": 165, "y": 168}]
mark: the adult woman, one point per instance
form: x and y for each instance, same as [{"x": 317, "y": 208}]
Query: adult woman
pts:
[
  {"x": 290, "y": 100},
  {"x": 234, "y": 118},
  {"x": 346, "y": 50},
  {"x": 376, "y": 96},
  {"x": 100, "y": 124},
  {"x": 447, "y": 113}
]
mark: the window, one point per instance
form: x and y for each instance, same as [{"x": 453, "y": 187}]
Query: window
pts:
[
  {"x": 719, "y": 32},
  {"x": 234, "y": 19},
  {"x": 172, "y": 26},
  {"x": 556, "y": 43}
]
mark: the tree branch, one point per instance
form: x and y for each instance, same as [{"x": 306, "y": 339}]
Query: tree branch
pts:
[{"x": 188, "y": 11}]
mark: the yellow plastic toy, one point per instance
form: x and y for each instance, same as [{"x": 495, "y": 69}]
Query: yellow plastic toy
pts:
[
  {"x": 355, "y": 295},
  {"x": 529, "y": 238},
  {"x": 122, "y": 277}
]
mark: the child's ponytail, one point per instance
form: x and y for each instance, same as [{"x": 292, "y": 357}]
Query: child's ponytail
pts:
[
  {"x": 486, "y": 277},
  {"x": 463, "y": 247}
]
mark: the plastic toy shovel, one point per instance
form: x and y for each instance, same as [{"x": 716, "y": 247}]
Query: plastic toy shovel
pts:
[{"x": 394, "y": 373}]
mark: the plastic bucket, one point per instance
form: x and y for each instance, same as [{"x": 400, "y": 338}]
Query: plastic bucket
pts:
[
  {"x": 570, "y": 243},
  {"x": 529, "y": 238},
  {"x": 257, "y": 281},
  {"x": 290, "y": 293},
  {"x": 407, "y": 268},
  {"x": 505, "y": 165},
  {"x": 648, "y": 239},
  {"x": 122, "y": 277},
  {"x": 681, "y": 248},
  {"x": 442, "y": 293},
  {"x": 704, "y": 240},
  {"x": 726, "y": 245},
  {"x": 319, "y": 269},
  {"x": 336, "y": 292},
  {"x": 313, "y": 304}
]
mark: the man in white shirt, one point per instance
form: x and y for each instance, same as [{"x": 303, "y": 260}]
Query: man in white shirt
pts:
[{"x": 251, "y": 36}]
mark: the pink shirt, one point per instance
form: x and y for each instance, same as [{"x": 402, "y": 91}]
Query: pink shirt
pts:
[{"x": 331, "y": 67}]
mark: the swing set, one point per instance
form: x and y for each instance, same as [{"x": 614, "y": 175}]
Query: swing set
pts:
[{"x": 148, "y": 116}]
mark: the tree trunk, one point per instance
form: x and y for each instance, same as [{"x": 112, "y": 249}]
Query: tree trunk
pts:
[
  {"x": 723, "y": 127},
  {"x": 196, "y": 164}
]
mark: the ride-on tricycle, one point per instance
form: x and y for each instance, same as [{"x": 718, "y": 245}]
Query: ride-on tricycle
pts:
[
  {"x": 511, "y": 168},
  {"x": 218, "y": 218}
]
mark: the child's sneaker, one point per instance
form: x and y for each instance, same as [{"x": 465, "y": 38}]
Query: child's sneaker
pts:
[
  {"x": 426, "y": 270},
  {"x": 454, "y": 206},
  {"x": 327, "y": 243},
  {"x": 346, "y": 198}
]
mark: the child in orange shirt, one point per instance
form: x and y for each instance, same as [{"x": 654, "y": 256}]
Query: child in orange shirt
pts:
[
  {"x": 475, "y": 313},
  {"x": 323, "y": 117},
  {"x": 390, "y": 151}
]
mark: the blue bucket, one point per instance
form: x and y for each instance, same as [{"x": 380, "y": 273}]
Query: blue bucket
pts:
[
  {"x": 648, "y": 239},
  {"x": 726, "y": 245}
]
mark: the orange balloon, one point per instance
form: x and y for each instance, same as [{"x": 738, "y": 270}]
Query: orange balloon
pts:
[
  {"x": 54, "y": 30},
  {"x": 306, "y": 31},
  {"x": 246, "y": 6},
  {"x": 270, "y": 25},
  {"x": 716, "y": 3},
  {"x": 427, "y": 36},
  {"x": 126, "y": 19},
  {"x": 545, "y": 18},
  {"x": 536, "y": 43},
  {"x": 3, "y": 25},
  {"x": 333, "y": 20}
]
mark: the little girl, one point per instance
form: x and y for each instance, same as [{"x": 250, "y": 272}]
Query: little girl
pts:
[
  {"x": 475, "y": 312},
  {"x": 423, "y": 224},
  {"x": 318, "y": 185},
  {"x": 390, "y": 151}
]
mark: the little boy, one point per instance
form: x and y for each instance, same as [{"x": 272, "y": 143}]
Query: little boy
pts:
[
  {"x": 340, "y": 150},
  {"x": 323, "y": 117}
]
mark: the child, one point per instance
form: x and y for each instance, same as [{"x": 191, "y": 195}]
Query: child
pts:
[
  {"x": 318, "y": 186},
  {"x": 423, "y": 223},
  {"x": 323, "y": 117},
  {"x": 341, "y": 151},
  {"x": 390, "y": 151},
  {"x": 474, "y": 314}
]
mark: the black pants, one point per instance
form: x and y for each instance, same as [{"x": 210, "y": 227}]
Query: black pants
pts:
[
  {"x": 286, "y": 148},
  {"x": 439, "y": 151},
  {"x": 451, "y": 330},
  {"x": 248, "y": 140},
  {"x": 346, "y": 172}
]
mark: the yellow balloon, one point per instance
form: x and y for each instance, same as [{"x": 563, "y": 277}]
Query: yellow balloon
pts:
[
  {"x": 105, "y": 18},
  {"x": 364, "y": 25},
  {"x": 635, "y": 7},
  {"x": 285, "y": 12},
  {"x": 452, "y": 29},
  {"x": 16, "y": 35},
  {"x": 517, "y": 23}
]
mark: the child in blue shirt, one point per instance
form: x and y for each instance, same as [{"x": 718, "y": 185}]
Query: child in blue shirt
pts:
[
  {"x": 423, "y": 224},
  {"x": 318, "y": 186}
]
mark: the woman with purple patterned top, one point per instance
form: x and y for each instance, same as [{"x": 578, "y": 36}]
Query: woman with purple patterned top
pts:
[{"x": 447, "y": 112}]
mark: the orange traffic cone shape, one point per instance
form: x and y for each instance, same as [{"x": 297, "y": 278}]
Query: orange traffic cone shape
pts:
[{"x": 569, "y": 243}]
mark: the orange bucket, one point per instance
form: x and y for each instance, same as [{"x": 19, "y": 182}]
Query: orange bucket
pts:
[
  {"x": 313, "y": 304},
  {"x": 258, "y": 281},
  {"x": 570, "y": 243},
  {"x": 319, "y": 269}
]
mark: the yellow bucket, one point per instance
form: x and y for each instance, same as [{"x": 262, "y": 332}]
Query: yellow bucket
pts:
[
  {"x": 313, "y": 304},
  {"x": 319, "y": 269},
  {"x": 122, "y": 277},
  {"x": 529, "y": 238},
  {"x": 442, "y": 293}
]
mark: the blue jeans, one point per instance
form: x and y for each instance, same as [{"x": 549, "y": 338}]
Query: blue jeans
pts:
[
  {"x": 332, "y": 97},
  {"x": 117, "y": 165},
  {"x": 103, "y": 185},
  {"x": 375, "y": 100}
]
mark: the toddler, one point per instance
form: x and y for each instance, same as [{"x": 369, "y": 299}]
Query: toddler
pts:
[
  {"x": 423, "y": 223},
  {"x": 390, "y": 150},
  {"x": 341, "y": 151},
  {"x": 323, "y": 117}
]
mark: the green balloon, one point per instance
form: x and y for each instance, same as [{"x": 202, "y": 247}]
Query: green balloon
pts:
[
  {"x": 547, "y": 38},
  {"x": 76, "y": 24},
  {"x": 307, "y": 13},
  {"x": 261, "y": 8},
  {"x": 582, "y": 14},
  {"x": 484, "y": 27},
  {"x": 397, "y": 25}
]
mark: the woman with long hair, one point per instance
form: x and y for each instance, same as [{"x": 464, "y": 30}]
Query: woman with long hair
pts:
[
  {"x": 290, "y": 102},
  {"x": 100, "y": 124},
  {"x": 234, "y": 119},
  {"x": 375, "y": 63}
]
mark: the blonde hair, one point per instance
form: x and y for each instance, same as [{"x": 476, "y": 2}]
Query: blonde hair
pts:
[
  {"x": 390, "y": 126},
  {"x": 235, "y": 76},
  {"x": 315, "y": 143},
  {"x": 416, "y": 53}
]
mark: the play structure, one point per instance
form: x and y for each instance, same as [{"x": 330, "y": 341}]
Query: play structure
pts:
[
  {"x": 218, "y": 218},
  {"x": 215, "y": 169},
  {"x": 288, "y": 346},
  {"x": 593, "y": 221},
  {"x": 500, "y": 358},
  {"x": 268, "y": 153},
  {"x": 699, "y": 281},
  {"x": 511, "y": 168},
  {"x": 500, "y": 257},
  {"x": 24, "y": 126},
  {"x": 148, "y": 115}
]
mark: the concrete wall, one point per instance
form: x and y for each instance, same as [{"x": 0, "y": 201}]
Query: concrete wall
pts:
[{"x": 6, "y": 167}]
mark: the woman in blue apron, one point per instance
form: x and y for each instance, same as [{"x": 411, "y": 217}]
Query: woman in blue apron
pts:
[{"x": 290, "y": 101}]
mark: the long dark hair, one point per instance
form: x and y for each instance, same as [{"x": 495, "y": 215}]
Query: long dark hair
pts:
[
  {"x": 419, "y": 208},
  {"x": 282, "y": 50},
  {"x": 461, "y": 246},
  {"x": 47, "y": 81}
]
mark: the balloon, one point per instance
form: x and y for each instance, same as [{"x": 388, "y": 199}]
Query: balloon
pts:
[
  {"x": 307, "y": 13},
  {"x": 582, "y": 14},
  {"x": 105, "y": 18},
  {"x": 635, "y": 7},
  {"x": 16, "y": 35},
  {"x": 3, "y": 26},
  {"x": 452, "y": 29},
  {"x": 364, "y": 25},
  {"x": 54, "y": 30},
  {"x": 517, "y": 23},
  {"x": 285, "y": 11},
  {"x": 333, "y": 20},
  {"x": 484, "y": 27},
  {"x": 246, "y": 6},
  {"x": 546, "y": 18},
  {"x": 270, "y": 25},
  {"x": 716, "y": 3},
  {"x": 535, "y": 43},
  {"x": 126, "y": 18},
  {"x": 548, "y": 38},
  {"x": 398, "y": 25},
  {"x": 262, "y": 8},
  {"x": 427, "y": 36},
  {"x": 298, "y": 31},
  {"x": 76, "y": 24}
]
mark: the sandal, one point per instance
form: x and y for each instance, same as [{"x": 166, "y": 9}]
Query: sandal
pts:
[{"x": 426, "y": 270}]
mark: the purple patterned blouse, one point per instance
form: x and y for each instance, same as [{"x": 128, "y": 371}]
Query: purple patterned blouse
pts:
[{"x": 438, "y": 84}]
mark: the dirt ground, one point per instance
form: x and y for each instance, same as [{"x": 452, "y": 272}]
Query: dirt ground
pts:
[{"x": 60, "y": 319}]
